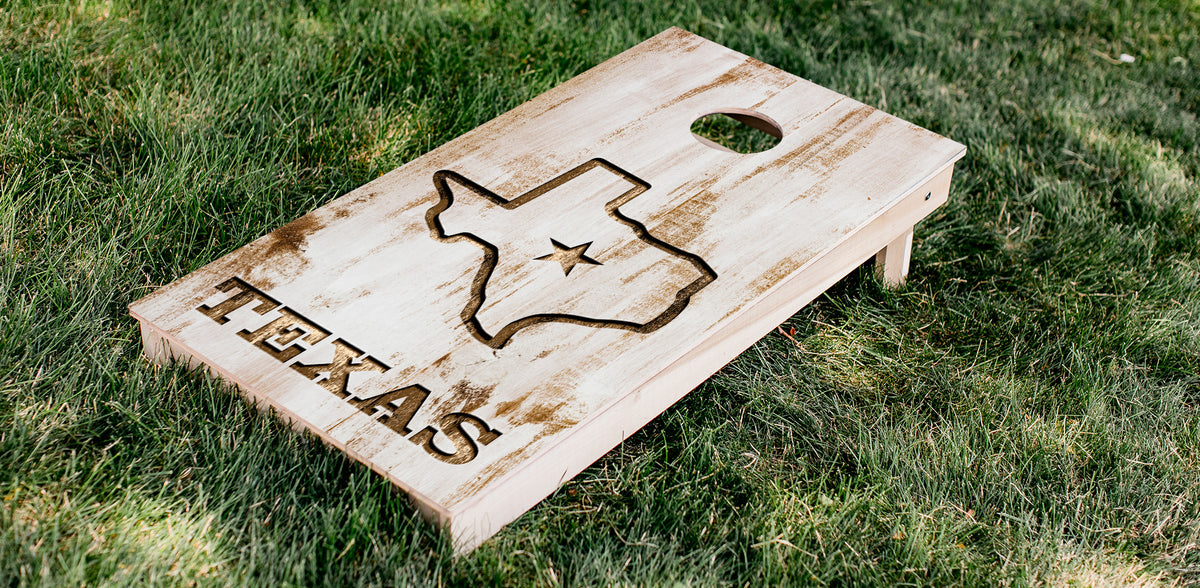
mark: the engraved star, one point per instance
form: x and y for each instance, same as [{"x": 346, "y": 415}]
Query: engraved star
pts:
[{"x": 569, "y": 257}]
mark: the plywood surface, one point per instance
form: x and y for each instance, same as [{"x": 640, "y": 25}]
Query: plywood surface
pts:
[{"x": 482, "y": 323}]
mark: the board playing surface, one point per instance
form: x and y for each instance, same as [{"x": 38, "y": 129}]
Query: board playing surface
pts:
[{"x": 484, "y": 322}]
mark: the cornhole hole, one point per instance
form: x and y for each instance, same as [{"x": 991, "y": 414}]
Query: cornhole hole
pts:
[{"x": 484, "y": 322}]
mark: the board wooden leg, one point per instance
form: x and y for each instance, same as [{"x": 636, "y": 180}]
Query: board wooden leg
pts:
[
  {"x": 154, "y": 345},
  {"x": 891, "y": 263},
  {"x": 159, "y": 349}
]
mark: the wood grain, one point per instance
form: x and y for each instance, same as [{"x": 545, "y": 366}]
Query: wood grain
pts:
[{"x": 484, "y": 322}]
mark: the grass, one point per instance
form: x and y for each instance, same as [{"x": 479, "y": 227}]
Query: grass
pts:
[{"x": 1024, "y": 411}]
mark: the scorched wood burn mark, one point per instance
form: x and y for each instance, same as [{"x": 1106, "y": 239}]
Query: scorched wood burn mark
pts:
[
  {"x": 564, "y": 253},
  {"x": 290, "y": 335}
]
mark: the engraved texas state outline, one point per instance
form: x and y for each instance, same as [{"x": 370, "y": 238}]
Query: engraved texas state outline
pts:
[{"x": 563, "y": 252}]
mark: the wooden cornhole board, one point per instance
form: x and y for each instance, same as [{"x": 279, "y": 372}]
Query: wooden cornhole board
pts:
[{"x": 486, "y": 321}]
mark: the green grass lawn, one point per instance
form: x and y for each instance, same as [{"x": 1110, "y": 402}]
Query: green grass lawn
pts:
[{"x": 1025, "y": 411}]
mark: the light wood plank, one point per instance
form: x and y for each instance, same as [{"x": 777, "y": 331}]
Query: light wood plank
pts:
[{"x": 482, "y": 323}]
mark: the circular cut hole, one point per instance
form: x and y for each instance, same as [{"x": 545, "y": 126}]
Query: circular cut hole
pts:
[{"x": 737, "y": 130}]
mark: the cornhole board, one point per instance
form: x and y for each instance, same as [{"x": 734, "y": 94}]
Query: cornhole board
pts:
[{"x": 486, "y": 321}]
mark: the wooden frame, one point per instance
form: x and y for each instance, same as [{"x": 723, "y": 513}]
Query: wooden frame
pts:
[{"x": 486, "y": 321}]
